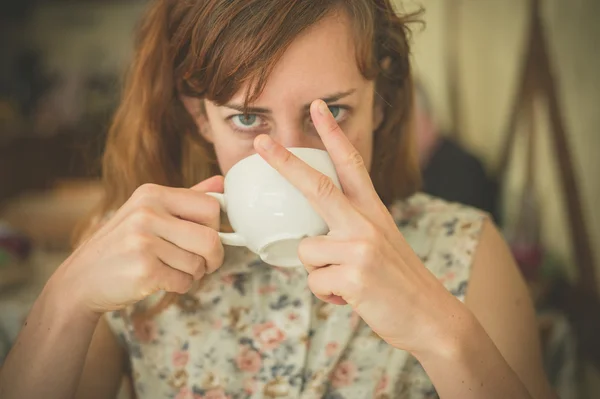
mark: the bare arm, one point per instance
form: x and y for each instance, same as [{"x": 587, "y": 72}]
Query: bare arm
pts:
[
  {"x": 104, "y": 366},
  {"x": 50, "y": 351},
  {"x": 161, "y": 239},
  {"x": 59, "y": 349},
  {"x": 500, "y": 300},
  {"x": 494, "y": 349}
]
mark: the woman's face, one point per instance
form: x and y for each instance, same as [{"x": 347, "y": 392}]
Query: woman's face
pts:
[{"x": 319, "y": 64}]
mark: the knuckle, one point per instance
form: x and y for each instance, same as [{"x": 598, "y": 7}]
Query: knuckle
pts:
[
  {"x": 197, "y": 264},
  {"x": 365, "y": 253},
  {"x": 146, "y": 274},
  {"x": 186, "y": 229},
  {"x": 370, "y": 232},
  {"x": 356, "y": 280},
  {"x": 212, "y": 205},
  {"x": 215, "y": 251},
  {"x": 193, "y": 259},
  {"x": 213, "y": 210},
  {"x": 325, "y": 187},
  {"x": 212, "y": 239},
  {"x": 140, "y": 245},
  {"x": 333, "y": 127},
  {"x": 286, "y": 157},
  {"x": 142, "y": 217},
  {"x": 148, "y": 267},
  {"x": 220, "y": 255},
  {"x": 180, "y": 283},
  {"x": 147, "y": 190},
  {"x": 355, "y": 159}
]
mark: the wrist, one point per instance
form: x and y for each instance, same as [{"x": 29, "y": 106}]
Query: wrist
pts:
[
  {"x": 475, "y": 361},
  {"x": 455, "y": 339},
  {"x": 66, "y": 305}
]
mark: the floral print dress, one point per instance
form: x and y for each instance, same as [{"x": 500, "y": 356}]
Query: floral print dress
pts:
[{"x": 251, "y": 330}]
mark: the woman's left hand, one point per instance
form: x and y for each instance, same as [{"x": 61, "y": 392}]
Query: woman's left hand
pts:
[{"x": 364, "y": 261}]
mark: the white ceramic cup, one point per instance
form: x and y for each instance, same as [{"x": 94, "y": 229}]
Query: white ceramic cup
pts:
[{"x": 268, "y": 214}]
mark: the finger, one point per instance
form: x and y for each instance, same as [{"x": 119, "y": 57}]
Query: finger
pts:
[
  {"x": 324, "y": 196},
  {"x": 349, "y": 164},
  {"x": 171, "y": 280},
  {"x": 327, "y": 284},
  {"x": 321, "y": 251},
  {"x": 191, "y": 237},
  {"x": 190, "y": 205},
  {"x": 214, "y": 184},
  {"x": 180, "y": 259},
  {"x": 333, "y": 299}
]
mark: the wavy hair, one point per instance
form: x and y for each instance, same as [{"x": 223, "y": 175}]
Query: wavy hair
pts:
[{"x": 210, "y": 49}]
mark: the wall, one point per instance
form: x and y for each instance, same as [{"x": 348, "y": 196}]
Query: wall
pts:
[
  {"x": 89, "y": 36},
  {"x": 492, "y": 39}
]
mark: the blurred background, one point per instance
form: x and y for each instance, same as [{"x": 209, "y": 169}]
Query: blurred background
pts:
[{"x": 508, "y": 118}]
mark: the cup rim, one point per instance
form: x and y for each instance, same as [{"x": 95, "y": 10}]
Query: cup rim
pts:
[
  {"x": 293, "y": 150},
  {"x": 283, "y": 237}
]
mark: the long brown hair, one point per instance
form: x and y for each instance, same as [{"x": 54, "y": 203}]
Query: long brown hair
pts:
[{"x": 210, "y": 49}]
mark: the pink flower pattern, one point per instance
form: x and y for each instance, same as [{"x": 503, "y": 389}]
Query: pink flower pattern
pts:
[
  {"x": 250, "y": 386},
  {"x": 186, "y": 393},
  {"x": 180, "y": 359},
  {"x": 382, "y": 385},
  {"x": 249, "y": 360},
  {"x": 260, "y": 332},
  {"x": 331, "y": 348},
  {"x": 218, "y": 393},
  {"x": 344, "y": 374},
  {"x": 145, "y": 330},
  {"x": 268, "y": 335}
]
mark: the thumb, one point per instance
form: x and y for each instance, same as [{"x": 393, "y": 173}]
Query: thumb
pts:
[{"x": 214, "y": 184}]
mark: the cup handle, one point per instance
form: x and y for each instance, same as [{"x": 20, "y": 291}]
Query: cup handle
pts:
[{"x": 232, "y": 239}]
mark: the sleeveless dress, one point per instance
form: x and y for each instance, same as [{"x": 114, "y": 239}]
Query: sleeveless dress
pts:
[{"x": 256, "y": 331}]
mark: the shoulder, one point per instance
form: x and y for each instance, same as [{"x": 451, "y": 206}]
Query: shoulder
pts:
[
  {"x": 423, "y": 214},
  {"x": 443, "y": 234}
]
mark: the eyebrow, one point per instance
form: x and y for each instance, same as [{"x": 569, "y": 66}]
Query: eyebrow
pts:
[{"x": 259, "y": 110}]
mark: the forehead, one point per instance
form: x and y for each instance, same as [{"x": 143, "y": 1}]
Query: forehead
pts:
[{"x": 319, "y": 62}]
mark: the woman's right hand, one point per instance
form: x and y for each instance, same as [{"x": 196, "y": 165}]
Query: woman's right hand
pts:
[{"x": 162, "y": 238}]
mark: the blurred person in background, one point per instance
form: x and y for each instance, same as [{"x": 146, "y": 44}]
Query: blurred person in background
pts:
[{"x": 448, "y": 169}]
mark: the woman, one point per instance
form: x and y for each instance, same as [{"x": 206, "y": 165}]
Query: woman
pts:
[{"x": 433, "y": 299}]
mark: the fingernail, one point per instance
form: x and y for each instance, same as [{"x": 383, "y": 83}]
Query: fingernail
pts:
[
  {"x": 323, "y": 108},
  {"x": 265, "y": 142}
]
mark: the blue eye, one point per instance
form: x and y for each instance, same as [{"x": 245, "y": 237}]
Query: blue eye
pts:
[
  {"x": 335, "y": 110},
  {"x": 339, "y": 112},
  {"x": 247, "y": 120}
]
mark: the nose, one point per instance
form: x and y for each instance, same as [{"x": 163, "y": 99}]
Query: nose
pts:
[{"x": 297, "y": 138}]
